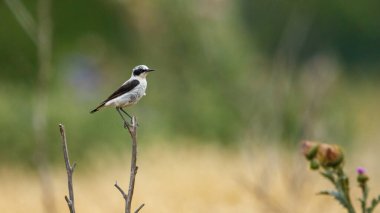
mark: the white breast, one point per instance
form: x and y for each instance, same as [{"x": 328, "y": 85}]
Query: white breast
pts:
[{"x": 131, "y": 97}]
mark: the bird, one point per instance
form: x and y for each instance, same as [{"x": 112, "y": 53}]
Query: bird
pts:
[{"x": 129, "y": 93}]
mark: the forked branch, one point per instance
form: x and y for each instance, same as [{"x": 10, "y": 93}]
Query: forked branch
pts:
[
  {"x": 128, "y": 197},
  {"x": 69, "y": 170}
]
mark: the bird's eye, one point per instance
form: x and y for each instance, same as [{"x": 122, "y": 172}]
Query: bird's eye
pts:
[{"x": 138, "y": 72}]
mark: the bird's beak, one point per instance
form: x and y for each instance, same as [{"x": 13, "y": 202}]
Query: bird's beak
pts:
[{"x": 150, "y": 70}]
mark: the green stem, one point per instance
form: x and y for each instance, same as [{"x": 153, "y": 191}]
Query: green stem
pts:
[
  {"x": 363, "y": 201},
  {"x": 344, "y": 187},
  {"x": 374, "y": 203}
]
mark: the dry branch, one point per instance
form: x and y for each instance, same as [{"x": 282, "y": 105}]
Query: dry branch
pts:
[
  {"x": 128, "y": 197},
  {"x": 69, "y": 170}
]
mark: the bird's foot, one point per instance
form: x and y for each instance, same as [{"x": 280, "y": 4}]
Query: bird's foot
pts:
[
  {"x": 137, "y": 124},
  {"x": 127, "y": 125}
]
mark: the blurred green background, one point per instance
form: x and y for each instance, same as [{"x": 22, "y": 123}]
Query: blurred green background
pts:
[{"x": 228, "y": 72}]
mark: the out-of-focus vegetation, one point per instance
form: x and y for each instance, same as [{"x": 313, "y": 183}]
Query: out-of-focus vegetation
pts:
[
  {"x": 328, "y": 160},
  {"x": 228, "y": 72},
  {"x": 238, "y": 84},
  {"x": 189, "y": 178}
]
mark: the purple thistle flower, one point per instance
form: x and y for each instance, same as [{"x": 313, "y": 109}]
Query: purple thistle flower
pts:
[{"x": 360, "y": 170}]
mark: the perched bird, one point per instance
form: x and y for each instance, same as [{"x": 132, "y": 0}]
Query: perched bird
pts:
[{"x": 128, "y": 93}]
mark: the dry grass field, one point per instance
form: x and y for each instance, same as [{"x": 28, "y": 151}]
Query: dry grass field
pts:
[{"x": 192, "y": 178}]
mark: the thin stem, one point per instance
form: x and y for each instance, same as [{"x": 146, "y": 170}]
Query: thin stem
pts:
[
  {"x": 128, "y": 197},
  {"x": 344, "y": 186},
  {"x": 69, "y": 170},
  {"x": 132, "y": 131},
  {"x": 139, "y": 208},
  {"x": 363, "y": 201},
  {"x": 121, "y": 190},
  {"x": 374, "y": 203}
]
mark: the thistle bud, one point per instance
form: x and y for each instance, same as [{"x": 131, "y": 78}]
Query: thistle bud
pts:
[
  {"x": 309, "y": 149},
  {"x": 330, "y": 155},
  {"x": 362, "y": 176},
  {"x": 314, "y": 165}
]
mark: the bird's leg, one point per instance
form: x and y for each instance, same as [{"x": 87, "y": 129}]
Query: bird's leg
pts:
[
  {"x": 128, "y": 115},
  {"x": 126, "y": 124}
]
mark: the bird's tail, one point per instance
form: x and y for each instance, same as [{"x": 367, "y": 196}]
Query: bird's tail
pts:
[{"x": 97, "y": 108}]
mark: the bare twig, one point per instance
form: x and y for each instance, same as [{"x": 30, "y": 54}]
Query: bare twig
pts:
[
  {"x": 121, "y": 190},
  {"x": 69, "y": 170},
  {"x": 128, "y": 197},
  {"x": 139, "y": 208}
]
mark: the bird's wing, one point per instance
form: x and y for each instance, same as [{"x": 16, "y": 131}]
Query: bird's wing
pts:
[{"x": 128, "y": 86}]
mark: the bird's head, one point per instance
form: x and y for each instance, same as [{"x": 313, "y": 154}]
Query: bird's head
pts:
[{"x": 141, "y": 71}]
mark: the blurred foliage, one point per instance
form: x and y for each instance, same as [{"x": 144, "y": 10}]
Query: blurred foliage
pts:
[
  {"x": 228, "y": 71},
  {"x": 349, "y": 28}
]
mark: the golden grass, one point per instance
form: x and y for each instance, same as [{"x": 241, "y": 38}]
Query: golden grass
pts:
[{"x": 182, "y": 179}]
